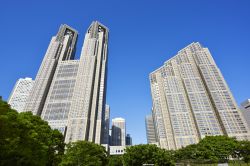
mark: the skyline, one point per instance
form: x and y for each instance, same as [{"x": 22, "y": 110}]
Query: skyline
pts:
[{"x": 130, "y": 61}]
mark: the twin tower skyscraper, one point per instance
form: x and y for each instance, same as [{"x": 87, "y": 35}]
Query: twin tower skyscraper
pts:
[{"x": 71, "y": 94}]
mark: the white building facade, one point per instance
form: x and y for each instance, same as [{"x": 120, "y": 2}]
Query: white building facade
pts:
[
  {"x": 71, "y": 94},
  {"x": 117, "y": 150},
  {"x": 20, "y": 94},
  {"x": 192, "y": 100},
  {"x": 150, "y": 130}
]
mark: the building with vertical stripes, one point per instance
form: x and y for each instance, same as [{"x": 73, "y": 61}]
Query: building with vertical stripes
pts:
[
  {"x": 150, "y": 129},
  {"x": 191, "y": 100},
  {"x": 71, "y": 94}
]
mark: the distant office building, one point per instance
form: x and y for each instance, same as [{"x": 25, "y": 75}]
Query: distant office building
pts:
[
  {"x": 191, "y": 100},
  {"x": 128, "y": 140},
  {"x": 118, "y": 135},
  {"x": 20, "y": 93},
  {"x": 70, "y": 94},
  {"x": 150, "y": 129},
  {"x": 246, "y": 111},
  {"x": 117, "y": 150},
  {"x": 110, "y": 138},
  {"x": 119, "y": 140},
  {"x": 105, "y": 130}
]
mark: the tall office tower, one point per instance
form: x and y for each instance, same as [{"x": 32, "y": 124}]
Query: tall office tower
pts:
[
  {"x": 20, "y": 93},
  {"x": 192, "y": 100},
  {"x": 150, "y": 129},
  {"x": 61, "y": 48},
  {"x": 87, "y": 113},
  {"x": 70, "y": 94},
  {"x": 246, "y": 111},
  {"x": 128, "y": 140},
  {"x": 118, "y": 135}
]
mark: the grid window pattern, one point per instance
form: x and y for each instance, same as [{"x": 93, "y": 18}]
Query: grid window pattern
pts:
[
  {"x": 198, "y": 100},
  {"x": 58, "y": 103},
  {"x": 62, "y": 90},
  {"x": 57, "y": 111},
  {"x": 202, "y": 57},
  {"x": 193, "y": 85},
  {"x": 20, "y": 94},
  {"x": 67, "y": 71}
]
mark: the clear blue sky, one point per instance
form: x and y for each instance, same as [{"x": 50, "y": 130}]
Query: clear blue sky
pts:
[{"x": 143, "y": 34}]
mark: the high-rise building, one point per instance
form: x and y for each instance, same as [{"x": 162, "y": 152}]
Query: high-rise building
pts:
[
  {"x": 191, "y": 100},
  {"x": 128, "y": 140},
  {"x": 20, "y": 93},
  {"x": 119, "y": 140},
  {"x": 105, "y": 131},
  {"x": 61, "y": 49},
  {"x": 150, "y": 129},
  {"x": 71, "y": 94},
  {"x": 118, "y": 134},
  {"x": 246, "y": 111}
]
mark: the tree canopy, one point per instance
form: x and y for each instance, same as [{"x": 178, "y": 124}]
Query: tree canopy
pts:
[
  {"x": 244, "y": 150},
  {"x": 115, "y": 160},
  {"x": 83, "y": 153},
  {"x": 146, "y": 154},
  {"x": 211, "y": 149},
  {"x": 26, "y": 139}
]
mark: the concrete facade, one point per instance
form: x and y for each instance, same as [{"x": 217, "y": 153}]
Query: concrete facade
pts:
[
  {"x": 117, "y": 150},
  {"x": 192, "y": 100},
  {"x": 20, "y": 94},
  {"x": 150, "y": 129},
  {"x": 71, "y": 94},
  {"x": 87, "y": 113}
]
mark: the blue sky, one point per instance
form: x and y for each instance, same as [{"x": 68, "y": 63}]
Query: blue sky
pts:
[{"x": 143, "y": 34}]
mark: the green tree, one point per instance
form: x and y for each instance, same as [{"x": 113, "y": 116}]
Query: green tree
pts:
[
  {"x": 147, "y": 154},
  {"x": 210, "y": 149},
  {"x": 218, "y": 147},
  {"x": 115, "y": 160},
  {"x": 83, "y": 153},
  {"x": 27, "y": 140},
  {"x": 244, "y": 150}
]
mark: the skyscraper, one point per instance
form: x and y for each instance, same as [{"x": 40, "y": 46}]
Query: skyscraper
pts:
[
  {"x": 87, "y": 112},
  {"x": 119, "y": 140},
  {"x": 118, "y": 135},
  {"x": 20, "y": 93},
  {"x": 192, "y": 100},
  {"x": 61, "y": 49},
  {"x": 150, "y": 129},
  {"x": 128, "y": 140},
  {"x": 246, "y": 111},
  {"x": 70, "y": 94}
]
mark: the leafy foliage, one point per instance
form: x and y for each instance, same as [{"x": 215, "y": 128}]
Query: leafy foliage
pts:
[
  {"x": 27, "y": 140},
  {"x": 115, "y": 160},
  {"x": 244, "y": 150},
  {"x": 211, "y": 148},
  {"x": 146, "y": 154},
  {"x": 83, "y": 153}
]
